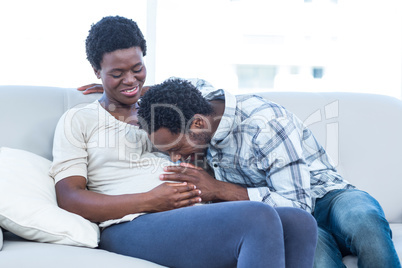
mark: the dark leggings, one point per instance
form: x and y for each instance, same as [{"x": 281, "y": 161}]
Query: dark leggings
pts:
[{"x": 229, "y": 234}]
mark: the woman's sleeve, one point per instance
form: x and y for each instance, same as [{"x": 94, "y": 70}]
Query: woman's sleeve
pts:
[{"x": 69, "y": 147}]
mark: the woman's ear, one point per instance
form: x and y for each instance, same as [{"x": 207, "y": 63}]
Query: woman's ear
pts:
[{"x": 97, "y": 72}]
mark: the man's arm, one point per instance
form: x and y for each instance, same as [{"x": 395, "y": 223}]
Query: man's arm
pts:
[
  {"x": 279, "y": 148},
  {"x": 211, "y": 189}
]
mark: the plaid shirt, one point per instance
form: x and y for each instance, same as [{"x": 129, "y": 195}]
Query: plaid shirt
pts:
[{"x": 265, "y": 148}]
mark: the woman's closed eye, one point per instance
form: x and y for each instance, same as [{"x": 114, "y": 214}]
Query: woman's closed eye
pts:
[
  {"x": 137, "y": 70},
  {"x": 116, "y": 75}
]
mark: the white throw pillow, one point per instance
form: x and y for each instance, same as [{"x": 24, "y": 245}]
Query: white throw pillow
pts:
[{"x": 28, "y": 205}]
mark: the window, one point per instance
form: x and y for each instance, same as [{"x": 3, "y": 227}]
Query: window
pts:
[
  {"x": 294, "y": 70},
  {"x": 43, "y": 41},
  {"x": 318, "y": 72},
  {"x": 256, "y": 76}
]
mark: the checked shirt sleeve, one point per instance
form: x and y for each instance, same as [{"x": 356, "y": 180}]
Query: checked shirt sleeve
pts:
[{"x": 279, "y": 153}]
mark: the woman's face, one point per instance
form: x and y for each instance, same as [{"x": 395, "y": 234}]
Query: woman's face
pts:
[{"x": 123, "y": 74}]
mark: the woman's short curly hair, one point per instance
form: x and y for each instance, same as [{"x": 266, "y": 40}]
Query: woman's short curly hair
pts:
[
  {"x": 172, "y": 104},
  {"x": 112, "y": 33}
]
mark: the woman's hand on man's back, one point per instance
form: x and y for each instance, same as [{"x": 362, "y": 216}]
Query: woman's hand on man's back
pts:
[
  {"x": 91, "y": 88},
  {"x": 98, "y": 88}
]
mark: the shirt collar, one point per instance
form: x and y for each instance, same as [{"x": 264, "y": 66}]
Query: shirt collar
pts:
[{"x": 228, "y": 118}]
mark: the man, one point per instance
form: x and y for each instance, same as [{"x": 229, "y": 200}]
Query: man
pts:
[{"x": 260, "y": 151}]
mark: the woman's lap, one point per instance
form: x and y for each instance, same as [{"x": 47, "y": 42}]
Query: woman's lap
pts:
[{"x": 241, "y": 233}]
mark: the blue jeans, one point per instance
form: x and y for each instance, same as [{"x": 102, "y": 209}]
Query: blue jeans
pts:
[
  {"x": 352, "y": 222},
  {"x": 229, "y": 234}
]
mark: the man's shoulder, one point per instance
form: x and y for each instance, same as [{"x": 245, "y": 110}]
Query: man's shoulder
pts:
[{"x": 254, "y": 105}]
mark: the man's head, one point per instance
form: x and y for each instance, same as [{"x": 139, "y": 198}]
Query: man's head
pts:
[
  {"x": 110, "y": 34},
  {"x": 176, "y": 117}
]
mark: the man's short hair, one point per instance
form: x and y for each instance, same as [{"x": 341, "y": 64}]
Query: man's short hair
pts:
[
  {"x": 110, "y": 34},
  {"x": 172, "y": 104}
]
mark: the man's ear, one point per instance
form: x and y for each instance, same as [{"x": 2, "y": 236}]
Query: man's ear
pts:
[
  {"x": 199, "y": 122},
  {"x": 97, "y": 72}
]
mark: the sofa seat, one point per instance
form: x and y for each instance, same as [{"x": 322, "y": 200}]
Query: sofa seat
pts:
[
  {"x": 351, "y": 261},
  {"x": 19, "y": 253}
]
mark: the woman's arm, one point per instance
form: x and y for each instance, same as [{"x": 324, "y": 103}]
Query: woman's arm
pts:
[{"x": 73, "y": 196}]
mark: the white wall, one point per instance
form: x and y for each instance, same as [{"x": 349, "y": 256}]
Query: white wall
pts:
[
  {"x": 357, "y": 42},
  {"x": 43, "y": 41}
]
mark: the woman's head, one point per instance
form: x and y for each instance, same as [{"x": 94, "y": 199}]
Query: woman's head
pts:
[
  {"x": 110, "y": 34},
  {"x": 115, "y": 48}
]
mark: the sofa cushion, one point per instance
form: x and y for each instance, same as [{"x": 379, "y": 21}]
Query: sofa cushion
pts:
[
  {"x": 28, "y": 205},
  {"x": 32, "y": 126}
]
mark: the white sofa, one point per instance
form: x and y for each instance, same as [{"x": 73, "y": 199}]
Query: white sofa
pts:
[{"x": 361, "y": 132}]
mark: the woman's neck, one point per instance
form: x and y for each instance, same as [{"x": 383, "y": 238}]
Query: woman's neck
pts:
[{"x": 124, "y": 113}]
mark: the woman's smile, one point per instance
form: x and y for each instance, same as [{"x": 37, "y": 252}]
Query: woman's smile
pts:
[{"x": 130, "y": 92}]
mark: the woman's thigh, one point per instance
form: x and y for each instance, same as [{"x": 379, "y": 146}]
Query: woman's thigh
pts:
[{"x": 215, "y": 235}]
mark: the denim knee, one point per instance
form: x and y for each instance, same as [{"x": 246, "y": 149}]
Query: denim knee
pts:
[{"x": 364, "y": 216}]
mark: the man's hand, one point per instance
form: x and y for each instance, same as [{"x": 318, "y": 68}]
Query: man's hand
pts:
[{"x": 211, "y": 189}]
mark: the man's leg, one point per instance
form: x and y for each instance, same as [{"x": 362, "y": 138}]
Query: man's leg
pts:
[
  {"x": 327, "y": 253},
  {"x": 357, "y": 222}
]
